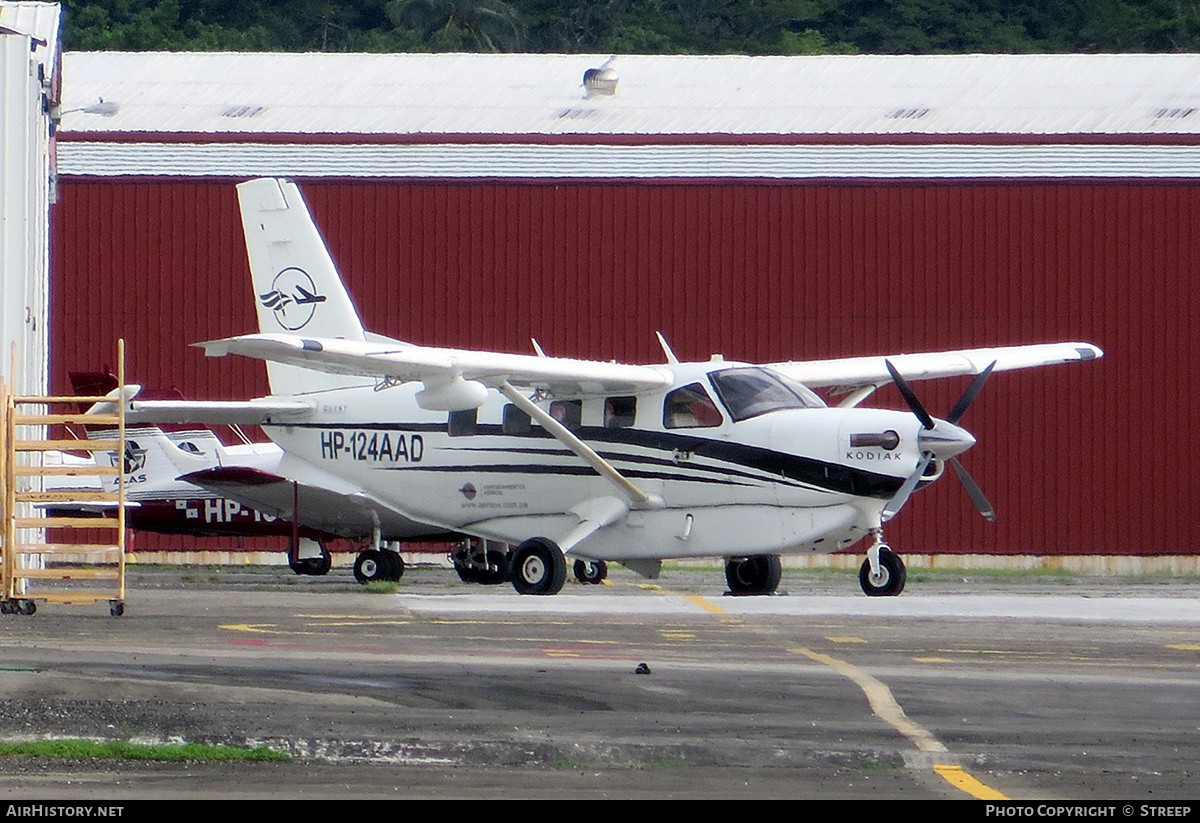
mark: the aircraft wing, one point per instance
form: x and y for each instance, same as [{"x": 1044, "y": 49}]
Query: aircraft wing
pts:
[
  {"x": 850, "y": 373},
  {"x": 321, "y": 509},
  {"x": 402, "y": 362}
]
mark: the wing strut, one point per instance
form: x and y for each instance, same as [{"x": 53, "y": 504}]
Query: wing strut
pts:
[{"x": 583, "y": 450}]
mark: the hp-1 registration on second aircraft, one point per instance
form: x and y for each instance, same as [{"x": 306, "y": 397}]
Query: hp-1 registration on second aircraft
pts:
[{"x": 593, "y": 461}]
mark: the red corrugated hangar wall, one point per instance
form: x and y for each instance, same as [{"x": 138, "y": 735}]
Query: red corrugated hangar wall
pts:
[{"x": 1085, "y": 458}]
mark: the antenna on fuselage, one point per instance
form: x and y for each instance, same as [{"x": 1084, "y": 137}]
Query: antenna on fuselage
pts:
[
  {"x": 537, "y": 347},
  {"x": 662, "y": 341}
]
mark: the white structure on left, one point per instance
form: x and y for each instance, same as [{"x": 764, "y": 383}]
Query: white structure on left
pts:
[{"x": 29, "y": 93}]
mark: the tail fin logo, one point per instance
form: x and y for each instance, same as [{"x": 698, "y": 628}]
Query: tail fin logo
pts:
[
  {"x": 293, "y": 298},
  {"x": 134, "y": 459}
]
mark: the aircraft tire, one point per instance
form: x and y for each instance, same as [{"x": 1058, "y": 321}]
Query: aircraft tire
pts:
[
  {"x": 591, "y": 571},
  {"x": 324, "y": 564},
  {"x": 497, "y": 571},
  {"x": 539, "y": 567},
  {"x": 892, "y": 575},
  {"x": 315, "y": 566},
  {"x": 759, "y": 574},
  {"x": 370, "y": 566},
  {"x": 393, "y": 564}
]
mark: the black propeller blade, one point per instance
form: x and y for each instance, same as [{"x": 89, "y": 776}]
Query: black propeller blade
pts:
[
  {"x": 976, "y": 493},
  {"x": 910, "y": 396},
  {"x": 901, "y": 496},
  {"x": 964, "y": 402}
]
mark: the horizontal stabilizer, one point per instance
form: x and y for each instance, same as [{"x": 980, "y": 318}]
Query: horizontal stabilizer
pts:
[{"x": 249, "y": 412}]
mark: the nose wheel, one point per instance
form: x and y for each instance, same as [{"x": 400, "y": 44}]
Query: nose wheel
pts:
[
  {"x": 591, "y": 571},
  {"x": 885, "y": 576}
]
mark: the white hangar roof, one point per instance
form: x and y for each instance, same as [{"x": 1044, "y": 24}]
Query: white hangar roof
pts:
[{"x": 460, "y": 115}]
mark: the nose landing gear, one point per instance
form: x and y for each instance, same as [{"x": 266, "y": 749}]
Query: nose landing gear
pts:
[{"x": 882, "y": 573}]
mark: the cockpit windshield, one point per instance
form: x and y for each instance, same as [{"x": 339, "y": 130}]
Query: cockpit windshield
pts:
[{"x": 750, "y": 392}]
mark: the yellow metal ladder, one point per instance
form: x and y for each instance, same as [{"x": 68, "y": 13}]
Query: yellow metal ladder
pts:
[{"x": 90, "y": 566}]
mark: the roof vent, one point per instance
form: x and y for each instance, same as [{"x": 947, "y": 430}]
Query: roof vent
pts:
[
  {"x": 915, "y": 113},
  {"x": 1173, "y": 114},
  {"x": 601, "y": 81},
  {"x": 243, "y": 111}
]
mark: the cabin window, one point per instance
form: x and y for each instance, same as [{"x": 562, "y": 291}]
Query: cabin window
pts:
[
  {"x": 690, "y": 407},
  {"x": 568, "y": 412},
  {"x": 462, "y": 423},
  {"x": 516, "y": 421},
  {"x": 750, "y": 392},
  {"x": 619, "y": 412}
]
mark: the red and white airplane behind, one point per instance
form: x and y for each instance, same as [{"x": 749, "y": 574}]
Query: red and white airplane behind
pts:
[
  {"x": 182, "y": 479},
  {"x": 594, "y": 461}
]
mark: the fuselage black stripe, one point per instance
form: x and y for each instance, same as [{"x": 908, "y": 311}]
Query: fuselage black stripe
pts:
[
  {"x": 573, "y": 470},
  {"x": 782, "y": 467}
]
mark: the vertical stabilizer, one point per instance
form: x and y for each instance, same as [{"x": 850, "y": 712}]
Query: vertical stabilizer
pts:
[{"x": 297, "y": 289}]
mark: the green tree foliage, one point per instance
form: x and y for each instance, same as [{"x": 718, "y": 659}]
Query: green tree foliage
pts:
[
  {"x": 460, "y": 25},
  {"x": 636, "y": 26}
]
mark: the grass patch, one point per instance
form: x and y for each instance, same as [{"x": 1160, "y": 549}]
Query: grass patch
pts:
[
  {"x": 74, "y": 749},
  {"x": 664, "y": 763},
  {"x": 1004, "y": 573},
  {"x": 381, "y": 587}
]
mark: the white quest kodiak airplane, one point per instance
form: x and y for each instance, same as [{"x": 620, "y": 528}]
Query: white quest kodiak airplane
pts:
[{"x": 598, "y": 462}]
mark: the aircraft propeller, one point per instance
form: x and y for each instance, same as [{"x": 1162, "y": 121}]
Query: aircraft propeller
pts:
[{"x": 941, "y": 439}]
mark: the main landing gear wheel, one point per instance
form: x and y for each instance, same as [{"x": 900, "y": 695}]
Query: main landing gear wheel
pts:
[
  {"x": 591, "y": 571},
  {"x": 394, "y": 563},
  {"x": 890, "y": 580},
  {"x": 759, "y": 574},
  {"x": 497, "y": 571},
  {"x": 488, "y": 568},
  {"x": 315, "y": 566},
  {"x": 538, "y": 567},
  {"x": 375, "y": 564}
]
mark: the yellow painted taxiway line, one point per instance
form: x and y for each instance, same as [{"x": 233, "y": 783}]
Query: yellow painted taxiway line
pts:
[
  {"x": 704, "y": 603},
  {"x": 885, "y": 707},
  {"x": 959, "y": 779}
]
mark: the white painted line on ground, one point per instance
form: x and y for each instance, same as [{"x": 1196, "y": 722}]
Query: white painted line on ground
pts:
[{"x": 1072, "y": 608}]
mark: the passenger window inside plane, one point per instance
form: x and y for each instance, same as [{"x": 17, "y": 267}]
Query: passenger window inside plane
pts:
[
  {"x": 462, "y": 423},
  {"x": 690, "y": 407},
  {"x": 516, "y": 421},
  {"x": 619, "y": 412},
  {"x": 568, "y": 412}
]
